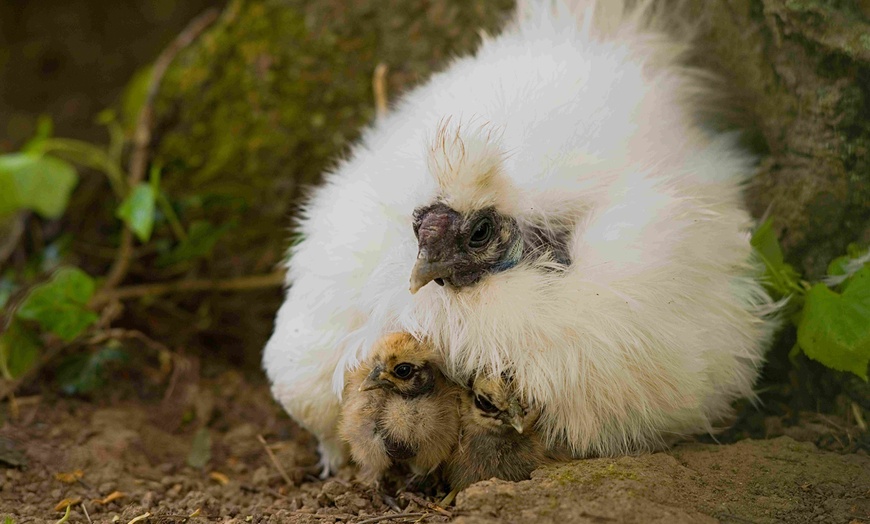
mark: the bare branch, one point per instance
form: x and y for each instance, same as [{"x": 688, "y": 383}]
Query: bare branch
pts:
[
  {"x": 275, "y": 279},
  {"x": 142, "y": 136}
]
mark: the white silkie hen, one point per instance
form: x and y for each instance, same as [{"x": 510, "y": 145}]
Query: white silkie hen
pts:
[{"x": 561, "y": 214}]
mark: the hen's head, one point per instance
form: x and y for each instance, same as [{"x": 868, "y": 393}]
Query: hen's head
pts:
[
  {"x": 498, "y": 406},
  {"x": 401, "y": 364},
  {"x": 459, "y": 248},
  {"x": 468, "y": 231}
]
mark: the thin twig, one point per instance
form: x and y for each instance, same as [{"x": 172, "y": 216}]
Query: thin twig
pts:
[
  {"x": 275, "y": 461},
  {"x": 122, "y": 334},
  {"x": 86, "y": 513},
  {"x": 275, "y": 279},
  {"x": 426, "y": 504},
  {"x": 379, "y": 86},
  {"x": 142, "y": 135},
  {"x": 391, "y": 517}
]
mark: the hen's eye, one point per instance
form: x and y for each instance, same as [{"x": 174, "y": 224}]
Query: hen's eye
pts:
[
  {"x": 484, "y": 405},
  {"x": 403, "y": 370},
  {"x": 482, "y": 233}
]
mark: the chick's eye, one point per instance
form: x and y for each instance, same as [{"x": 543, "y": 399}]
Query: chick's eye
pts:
[
  {"x": 484, "y": 405},
  {"x": 482, "y": 233},
  {"x": 403, "y": 370}
]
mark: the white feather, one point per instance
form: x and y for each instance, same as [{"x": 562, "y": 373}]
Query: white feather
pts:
[{"x": 578, "y": 116}]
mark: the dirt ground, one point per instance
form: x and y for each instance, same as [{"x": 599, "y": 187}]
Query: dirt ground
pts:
[{"x": 123, "y": 459}]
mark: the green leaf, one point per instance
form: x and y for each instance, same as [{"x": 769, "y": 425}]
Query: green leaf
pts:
[
  {"x": 137, "y": 210},
  {"x": 134, "y": 97},
  {"x": 845, "y": 266},
  {"x": 19, "y": 349},
  {"x": 835, "y": 328},
  {"x": 85, "y": 372},
  {"x": 765, "y": 242},
  {"x": 60, "y": 305},
  {"x": 44, "y": 129},
  {"x": 89, "y": 155},
  {"x": 200, "y": 450},
  {"x": 7, "y": 287},
  {"x": 40, "y": 183},
  {"x": 200, "y": 242},
  {"x": 780, "y": 277},
  {"x": 837, "y": 267}
]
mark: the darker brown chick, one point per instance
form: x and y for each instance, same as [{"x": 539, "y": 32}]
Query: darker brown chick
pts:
[
  {"x": 497, "y": 436},
  {"x": 398, "y": 407}
]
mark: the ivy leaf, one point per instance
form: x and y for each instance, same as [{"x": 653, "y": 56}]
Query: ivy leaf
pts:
[
  {"x": 779, "y": 276},
  {"x": 137, "y": 210},
  {"x": 84, "y": 372},
  {"x": 60, "y": 305},
  {"x": 40, "y": 183},
  {"x": 835, "y": 328},
  {"x": 200, "y": 242},
  {"x": 200, "y": 450},
  {"x": 19, "y": 349}
]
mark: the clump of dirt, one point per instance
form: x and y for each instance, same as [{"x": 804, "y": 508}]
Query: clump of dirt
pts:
[{"x": 86, "y": 451}]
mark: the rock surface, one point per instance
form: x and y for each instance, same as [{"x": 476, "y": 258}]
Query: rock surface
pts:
[{"x": 760, "y": 481}]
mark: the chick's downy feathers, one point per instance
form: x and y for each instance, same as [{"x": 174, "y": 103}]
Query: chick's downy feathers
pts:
[
  {"x": 497, "y": 435},
  {"x": 614, "y": 279},
  {"x": 399, "y": 408}
]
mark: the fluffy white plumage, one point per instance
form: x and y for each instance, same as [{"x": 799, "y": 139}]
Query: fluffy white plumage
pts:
[{"x": 578, "y": 119}]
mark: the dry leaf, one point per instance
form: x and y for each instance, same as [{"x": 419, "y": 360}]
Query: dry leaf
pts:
[
  {"x": 140, "y": 518},
  {"x": 69, "y": 478},
  {"x": 115, "y": 495},
  {"x": 72, "y": 501},
  {"x": 195, "y": 513},
  {"x": 219, "y": 477}
]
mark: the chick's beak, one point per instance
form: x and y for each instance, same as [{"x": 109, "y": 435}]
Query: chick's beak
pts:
[
  {"x": 516, "y": 414},
  {"x": 426, "y": 271},
  {"x": 374, "y": 380}
]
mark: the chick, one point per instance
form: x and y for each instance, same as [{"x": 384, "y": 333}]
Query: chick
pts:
[
  {"x": 399, "y": 408},
  {"x": 497, "y": 436}
]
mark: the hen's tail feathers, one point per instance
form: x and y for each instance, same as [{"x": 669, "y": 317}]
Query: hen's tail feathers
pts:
[
  {"x": 618, "y": 19},
  {"x": 670, "y": 36}
]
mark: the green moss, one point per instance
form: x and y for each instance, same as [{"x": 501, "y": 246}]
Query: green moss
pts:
[
  {"x": 589, "y": 474},
  {"x": 275, "y": 92},
  {"x": 566, "y": 476},
  {"x": 612, "y": 471}
]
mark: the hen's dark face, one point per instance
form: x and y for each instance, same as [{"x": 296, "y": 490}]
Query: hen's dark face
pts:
[{"x": 459, "y": 249}]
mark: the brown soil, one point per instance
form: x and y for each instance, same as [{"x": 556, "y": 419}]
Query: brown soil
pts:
[{"x": 143, "y": 449}]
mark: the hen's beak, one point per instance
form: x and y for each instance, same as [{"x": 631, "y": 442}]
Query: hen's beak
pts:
[
  {"x": 374, "y": 380},
  {"x": 426, "y": 271},
  {"x": 516, "y": 414}
]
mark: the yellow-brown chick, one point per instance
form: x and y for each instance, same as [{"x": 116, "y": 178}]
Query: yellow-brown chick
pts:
[
  {"x": 399, "y": 407},
  {"x": 497, "y": 436}
]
